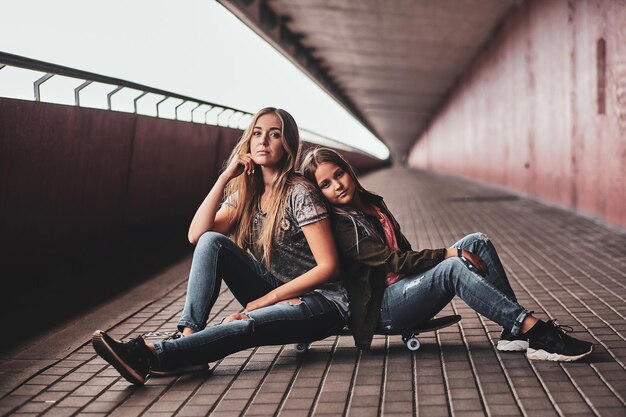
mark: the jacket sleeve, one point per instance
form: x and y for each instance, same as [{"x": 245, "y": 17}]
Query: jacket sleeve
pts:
[{"x": 371, "y": 252}]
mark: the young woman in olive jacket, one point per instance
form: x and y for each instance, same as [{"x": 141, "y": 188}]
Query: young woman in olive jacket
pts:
[{"x": 393, "y": 289}]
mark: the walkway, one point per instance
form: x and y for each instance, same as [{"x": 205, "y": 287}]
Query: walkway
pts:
[{"x": 561, "y": 266}]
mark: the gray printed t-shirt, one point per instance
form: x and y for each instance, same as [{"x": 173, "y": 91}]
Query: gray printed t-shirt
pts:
[{"x": 291, "y": 255}]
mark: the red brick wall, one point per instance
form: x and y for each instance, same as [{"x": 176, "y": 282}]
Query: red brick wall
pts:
[{"x": 542, "y": 111}]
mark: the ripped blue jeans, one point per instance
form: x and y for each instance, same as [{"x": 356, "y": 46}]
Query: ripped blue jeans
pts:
[
  {"x": 416, "y": 299},
  {"x": 217, "y": 258}
]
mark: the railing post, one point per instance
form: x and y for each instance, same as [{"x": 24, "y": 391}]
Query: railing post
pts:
[
  {"x": 192, "y": 110},
  {"x": 158, "y": 104},
  {"x": 137, "y": 99},
  {"x": 217, "y": 120},
  {"x": 206, "y": 115},
  {"x": 77, "y": 91},
  {"x": 176, "y": 109},
  {"x": 110, "y": 95},
  {"x": 38, "y": 83}
]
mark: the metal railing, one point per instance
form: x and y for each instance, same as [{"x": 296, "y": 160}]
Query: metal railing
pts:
[{"x": 225, "y": 116}]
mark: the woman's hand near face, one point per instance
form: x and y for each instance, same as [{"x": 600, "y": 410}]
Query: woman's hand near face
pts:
[
  {"x": 208, "y": 217},
  {"x": 241, "y": 164}
]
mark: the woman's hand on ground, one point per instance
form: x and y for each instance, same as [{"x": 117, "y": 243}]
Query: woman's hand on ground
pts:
[{"x": 241, "y": 164}]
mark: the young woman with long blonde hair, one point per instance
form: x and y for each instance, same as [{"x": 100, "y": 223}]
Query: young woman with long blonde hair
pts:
[{"x": 288, "y": 287}]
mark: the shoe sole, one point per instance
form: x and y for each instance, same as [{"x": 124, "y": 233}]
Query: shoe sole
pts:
[
  {"x": 512, "y": 345},
  {"x": 542, "y": 355},
  {"x": 104, "y": 350},
  {"x": 182, "y": 370}
]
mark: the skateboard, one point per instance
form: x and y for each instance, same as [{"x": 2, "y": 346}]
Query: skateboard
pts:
[{"x": 409, "y": 338}]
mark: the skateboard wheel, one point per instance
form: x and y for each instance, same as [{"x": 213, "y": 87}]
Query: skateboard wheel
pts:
[
  {"x": 413, "y": 344},
  {"x": 301, "y": 347}
]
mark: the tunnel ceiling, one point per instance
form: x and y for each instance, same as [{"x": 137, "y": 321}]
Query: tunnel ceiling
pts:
[{"x": 391, "y": 63}]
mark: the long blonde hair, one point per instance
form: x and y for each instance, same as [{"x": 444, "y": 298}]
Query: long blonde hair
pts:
[{"x": 247, "y": 189}]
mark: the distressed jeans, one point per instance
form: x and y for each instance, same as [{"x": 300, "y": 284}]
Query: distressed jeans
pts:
[
  {"x": 218, "y": 258},
  {"x": 416, "y": 299}
]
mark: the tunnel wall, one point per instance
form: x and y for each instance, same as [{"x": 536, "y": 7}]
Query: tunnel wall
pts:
[
  {"x": 71, "y": 175},
  {"x": 542, "y": 110},
  {"x": 93, "y": 201}
]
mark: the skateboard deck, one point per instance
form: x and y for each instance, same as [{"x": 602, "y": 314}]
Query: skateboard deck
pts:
[
  {"x": 430, "y": 326},
  {"x": 409, "y": 337}
]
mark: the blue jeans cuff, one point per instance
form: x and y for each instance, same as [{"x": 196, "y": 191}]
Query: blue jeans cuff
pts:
[
  {"x": 184, "y": 323},
  {"x": 517, "y": 326},
  {"x": 158, "y": 347}
]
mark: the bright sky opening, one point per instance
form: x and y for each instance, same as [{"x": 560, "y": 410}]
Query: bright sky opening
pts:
[{"x": 194, "y": 48}]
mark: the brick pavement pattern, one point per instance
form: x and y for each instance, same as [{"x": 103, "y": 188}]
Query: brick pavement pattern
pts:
[{"x": 560, "y": 264}]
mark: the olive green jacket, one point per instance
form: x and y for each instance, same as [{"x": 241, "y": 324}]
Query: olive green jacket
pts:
[{"x": 365, "y": 261}]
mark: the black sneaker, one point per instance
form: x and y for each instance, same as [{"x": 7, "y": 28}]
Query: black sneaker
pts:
[
  {"x": 549, "y": 342},
  {"x": 156, "y": 370},
  {"x": 510, "y": 343},
  {"x": 132, "y": 359}
]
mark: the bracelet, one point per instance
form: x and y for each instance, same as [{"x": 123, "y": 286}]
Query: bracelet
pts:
[{"x": 459, "y": 252}]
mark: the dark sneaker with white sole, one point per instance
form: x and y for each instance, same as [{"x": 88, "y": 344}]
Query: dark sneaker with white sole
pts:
[
  {"x": 549, "y": 342},
  {"x": 510, "y": 343},
  {"x": 156, "y": 370},
  {"x": 132, "y": 359}
]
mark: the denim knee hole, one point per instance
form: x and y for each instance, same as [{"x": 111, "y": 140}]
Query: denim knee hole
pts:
[{"x": 289, "y": 302}]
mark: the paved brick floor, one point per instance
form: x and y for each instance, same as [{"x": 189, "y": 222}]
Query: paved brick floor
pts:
[{"x": 561, "y": 266}]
